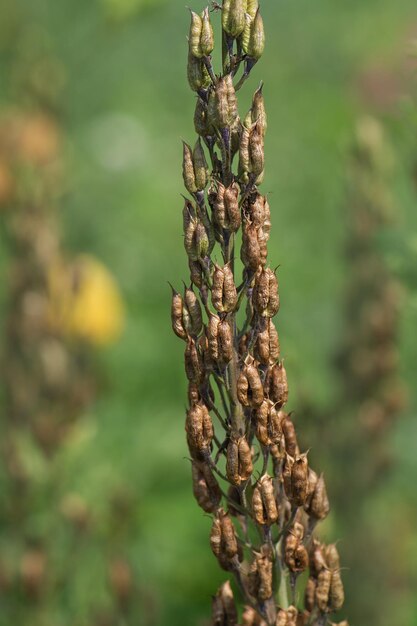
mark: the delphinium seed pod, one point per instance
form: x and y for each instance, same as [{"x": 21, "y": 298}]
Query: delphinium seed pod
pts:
[
  {"x": 237, "y": 428},
  {"x": 224, "y": 612},
  {"x": 239, "y": 464}
]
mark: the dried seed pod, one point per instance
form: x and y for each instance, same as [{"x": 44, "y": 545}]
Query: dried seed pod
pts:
[
  {"x": 319, "y": 505},
  {"x": 196, "y": 241},
  {"x": 268, "y": 426},
  {"x": 299, "y": 480},
  {"x": 291, "y": 444},
  {"x": 193, "y": 320},
  {"x": 196, "y": 273},
  {"x": 201, "y": 125},
  {"x": 223, "y": 294},
  {"x": 317, "y": 558},
  {"x": 222, "y": 105},
  {"x": 312, "y": 482},
  {"x": 213, "y": 336},
  {"x": 177, "y": 316},
  {"x": 233, "y": 17},
  {"x": 225, "y": 339},
  {"x": 332, "y": 557},
  {"x": 244, "y": 162},
  {"x": 260, "y": 578},
  {"x": 256, "y": 151},
  {"x": 296, "y": 556},
  {"x": 250, "y": 252},
  {"x": 276, "y": 384},
  {"x": 201, "y": 171},
  {"x": 239, "y": 465},
  {"x": 287, "y": 475},
  {"x": 219, "y": 209},
  {"x": 229, "y": 542},
  {"x": 292, "y": 615},
  {"x": 265, "y": 293},
  {"x": 193, "y": 393},
  {"x": 258, "y": 112},
  {"x": 337, "y": 593},
  {"x": 266, "y": 347},
  {"x": 207, "y": 35},
  {"x": 232, "y": 210},
  {"x": 249, "y": 385},
  {"x": 263, "y": 502},
  {"x": 323, "y": 589},
  {"x": 310, "y": 594},
  {"x": 205, "y": 487},
  {"x": 199, "y": 428},
  {"x": 188, "y": 169},
  {"x": 224, "y": 612},
  {"x": 197, "y": 74},
  {"x": 281, "y": 618},
  {"x": 256, "y": 43},
  {"x": 193, "y": 362}
]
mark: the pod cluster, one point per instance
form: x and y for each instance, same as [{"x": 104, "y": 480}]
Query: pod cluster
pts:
[{"x": 248, "y": 470}]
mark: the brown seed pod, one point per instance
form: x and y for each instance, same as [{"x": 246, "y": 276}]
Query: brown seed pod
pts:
[
  {"x": 225, "y": 337},
  {"x": 323, "y": 589},
  {"x": 212, "y": 332},
  {"x": 265, "y": 293},
  {"x": 193, "y": 362},
  {"x": 224, "y": 612},
  {"x": 219, "y": 209},
  {"x": 287, "y": 475},
  {"x": 319, "y": 506},
  {"x": 258, "y": 112},
  {"x": 177, "y": 316},
  {"x": 249, "y": 384},
  {"x": 205, "y": 487},
  {"x": 192, "y": 316},
  {"x": 276, "y": 384},
  {"x": 193, "y": 393},
  {"x": 299, "y": 480},
  {"x": 201, "y": 171},
  {"x": 296, "y": 556},
  {"x": 244, "y": 163},
  {"x": 260, "y": 578},
  {"x": 317, "y": 558},
  {"x": 256, "y": 151},
  {"x": 250, "y": 252},
  {"x": 310, "y": 594},
  {"x": 266, "y": 348},
  {"x": 263, "y": 502},
  {"x": 223, "y": 294},
  {"x": 337, "y": 593},
  {"x": 268, "y": 426},
  {"x": 229, "y": 542},
  {"x": 232, "y": 210},
  {"x": 239, "y": 464},
  {"x": 201, "y": 125},
  {"x": 291, "y": 444},
  {"x": 222, "y": 105},
  {"x": 199, "y": 428},
  {"x": 196, "y": 273},
  {"x": 188, "y": 169},
  {"x": 332, "y": 557},
  {"x": 281, "y": 618}
]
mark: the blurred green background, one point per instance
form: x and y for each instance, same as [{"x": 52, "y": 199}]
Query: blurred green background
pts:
[{"x": 125, "y": 107}]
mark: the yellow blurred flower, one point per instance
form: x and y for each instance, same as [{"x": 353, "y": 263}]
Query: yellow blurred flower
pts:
[{"x": 85, "y": 301}]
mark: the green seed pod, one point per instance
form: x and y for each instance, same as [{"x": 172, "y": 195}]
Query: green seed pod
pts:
[
  {"x": 233, "y": 17},
  {"x": 207, "y": 35},
  {"x": 258, "y": 113},
  {"x": 188, "y": 169},
  {"x": 194, "y": 39},
  {"x": 256, "y": 42},
  {"x": 197, "y": 74},
  {"x": 201, "y": 170}
]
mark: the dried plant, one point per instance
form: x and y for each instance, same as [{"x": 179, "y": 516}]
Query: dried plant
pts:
[{"x": 248, "y": 471}]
